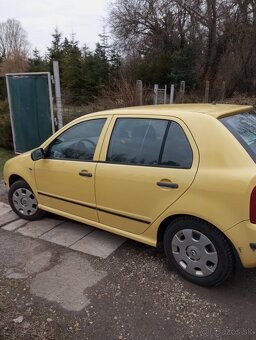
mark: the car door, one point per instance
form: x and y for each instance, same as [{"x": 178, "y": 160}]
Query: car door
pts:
[
  {"x": 148, "y": 164},
  {"x": 65, "y": 177}
]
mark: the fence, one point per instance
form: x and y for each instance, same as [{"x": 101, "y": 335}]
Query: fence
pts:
[
  {"x": 170, "y": 95},
  {"x": 130, "y": 94}
]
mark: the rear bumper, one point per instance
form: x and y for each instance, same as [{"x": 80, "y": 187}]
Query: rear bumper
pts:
[{"x": 243, "y": 238}]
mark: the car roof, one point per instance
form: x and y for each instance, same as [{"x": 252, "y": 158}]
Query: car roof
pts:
[{"x": 180, "y": 110}]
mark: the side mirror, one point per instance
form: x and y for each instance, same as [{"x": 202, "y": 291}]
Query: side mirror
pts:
[{"x": 37, "y": 154}]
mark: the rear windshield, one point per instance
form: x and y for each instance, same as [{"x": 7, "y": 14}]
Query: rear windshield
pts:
[{"x": 243, "y": 127}]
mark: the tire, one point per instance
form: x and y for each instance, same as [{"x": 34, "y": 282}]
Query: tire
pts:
[
  {"x": 199, "y": 251},
  {"x": 23, "y": 202}
]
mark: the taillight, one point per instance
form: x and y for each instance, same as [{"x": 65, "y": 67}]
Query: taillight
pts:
[{"x": 253, "y": 206}]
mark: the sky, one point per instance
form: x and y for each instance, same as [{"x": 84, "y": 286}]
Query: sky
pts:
[{"x": 85, "y": 18}]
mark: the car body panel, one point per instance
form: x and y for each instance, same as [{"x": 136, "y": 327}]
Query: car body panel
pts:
[
  {"x": 61, "y": 187},
  {"x": 182, "y": 111},
  {"x": 131, "y": 185},
  {"x": 242, "y": 235},
  {"x": 217, "y": 195},
  {"x": 23, "y": 167}
]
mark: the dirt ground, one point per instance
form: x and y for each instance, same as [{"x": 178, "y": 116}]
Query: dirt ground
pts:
[
  {"x": 51, "y": 292},
  {"x": 137, "y": 296}
]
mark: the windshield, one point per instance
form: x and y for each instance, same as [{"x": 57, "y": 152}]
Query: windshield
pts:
[{"x": 243, "y": 127}]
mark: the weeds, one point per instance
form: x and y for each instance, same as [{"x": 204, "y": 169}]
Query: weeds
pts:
[{"x": 4, "y": 156}]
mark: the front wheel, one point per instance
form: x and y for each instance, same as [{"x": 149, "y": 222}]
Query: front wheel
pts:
[
  {"x": 198, "y": 251},
  {"x": 23, "y": 201}
]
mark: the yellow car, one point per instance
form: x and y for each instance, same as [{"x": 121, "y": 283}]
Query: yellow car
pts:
[{"x": 177, "y": 177}]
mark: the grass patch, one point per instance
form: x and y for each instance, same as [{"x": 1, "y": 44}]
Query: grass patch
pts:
[{"x": 4, "y": 156}]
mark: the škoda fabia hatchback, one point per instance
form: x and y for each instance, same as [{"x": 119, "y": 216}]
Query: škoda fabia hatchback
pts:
[{"x": 180, "y": 177}]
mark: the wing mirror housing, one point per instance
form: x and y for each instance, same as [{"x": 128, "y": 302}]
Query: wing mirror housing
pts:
[{"x": 37, "y": 154}]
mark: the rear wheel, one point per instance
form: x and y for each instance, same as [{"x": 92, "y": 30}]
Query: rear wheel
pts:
[
  {"x": 198, "y": 251},
  {"x": 23, "y": 201}
]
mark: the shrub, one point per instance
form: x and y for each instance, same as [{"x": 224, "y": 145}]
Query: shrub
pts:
[{"x": 5, "y": 126}]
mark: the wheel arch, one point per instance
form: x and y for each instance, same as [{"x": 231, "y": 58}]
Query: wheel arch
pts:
[
  {"x": 14, "y": 178},
  {"x": 164, "y": 224},
  {"x": 162, "y": 227},
  {"x": 28, "y": 210}
]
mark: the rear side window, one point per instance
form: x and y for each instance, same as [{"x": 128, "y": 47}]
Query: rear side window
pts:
[
  {"x": 177, "y": 150},
  {"x": 243, "y": 127},
  {"x": 154, "y": 142},
  {"x": 137, "y": 141}
]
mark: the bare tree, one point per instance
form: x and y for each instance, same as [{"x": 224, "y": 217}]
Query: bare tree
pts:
[
  {"x": 13, "y": 39},
  {"x": 142, "y": 25},
  {"x": 15, "y": 63},
  {"x": 223, "y": 33}
]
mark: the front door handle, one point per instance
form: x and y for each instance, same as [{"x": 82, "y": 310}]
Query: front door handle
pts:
[
  {"x": 85, "y": 174},
  {"x": 168, "y": 185}
]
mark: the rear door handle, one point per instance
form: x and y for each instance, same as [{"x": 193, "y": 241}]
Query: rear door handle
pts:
[
  {"x": 85, "y": 174},
  {"x": 168, "y": 185}
]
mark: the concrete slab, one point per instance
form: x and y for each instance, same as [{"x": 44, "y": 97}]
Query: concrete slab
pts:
[
  {"x": 99, "y": 243},
  {"x": 67, "y": 233},
  {"x": 77, "y": 236},
  {"x": 3, "y": 205},
  {"x": 38, "y": 228},
  {"x": 37, "y": 262},
  {"x": 67, "y": 281},
  {"x": 4, "y": 208},
  {"x": 7, "y": 218},
  {"x": 15, "y": 225},
  {"x": 3, "y": 211}
]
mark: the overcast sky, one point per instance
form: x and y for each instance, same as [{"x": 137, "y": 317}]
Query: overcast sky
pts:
[{"x": 40, "y": 17}]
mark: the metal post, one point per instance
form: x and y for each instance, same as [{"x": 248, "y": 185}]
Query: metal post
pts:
[
  {"x": 56, "y": 74},
  {"x": 165, "y": 92},
  {"x": 155, "y": 94},
  {"x": 172, "y": 94},
  {"x": 182, "y": 91},
  {"x": 139, "y": 92},
  {"x": 207, "y": 91}
]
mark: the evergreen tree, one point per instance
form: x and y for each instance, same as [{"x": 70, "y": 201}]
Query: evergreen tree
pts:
[
  {"x": 183, "y": 67},
  {"x": 83, "y": 74},
  {"x": 96, "y": 72},
  {"x": 114, "y": 61},
  {"x": 55, "y": 51},
  {"x": 37, "y": 63},
  {"x": 101, "y": 64},
  {"x": 71, "y": 63}
]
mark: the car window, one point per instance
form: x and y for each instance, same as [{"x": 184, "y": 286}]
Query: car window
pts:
[
  {"x": 78, "y": 142},
  {"x": 177, "y": 150},
  {"x": 136, "y": 141},
  {"x": 243, "y": 127}
]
